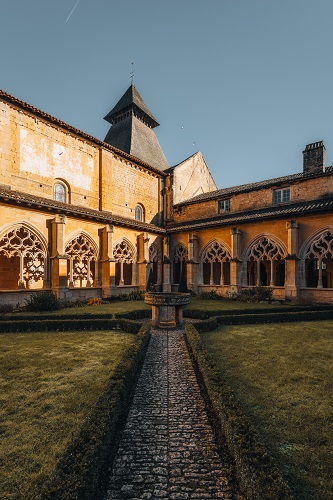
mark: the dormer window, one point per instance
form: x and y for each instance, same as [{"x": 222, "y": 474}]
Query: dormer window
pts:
[
  {"x": 281, "y": 196},
  {"x": 223, "y": 206}
]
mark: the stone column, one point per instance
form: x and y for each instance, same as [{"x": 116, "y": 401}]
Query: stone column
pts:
[
  {"x": 58, "y": 256},
  {"x": 192, "y": 263},
  {"x": 292, "y": 260},
  {"x": 143, "y": 260},
  {"x": 108, "y": 263},
  {"x": 166, "y": 265},
  {"x": 235, "y": 264}
]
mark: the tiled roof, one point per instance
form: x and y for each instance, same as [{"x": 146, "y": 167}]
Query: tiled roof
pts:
[
  {"x": 254, "y": 186},
  {"x": 45, "y": 204},
  {"x": 275, "y": 212},
  {"x": 37, "y": 112}
]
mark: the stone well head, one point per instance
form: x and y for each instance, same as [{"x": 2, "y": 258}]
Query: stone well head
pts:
[{"x": 167, "y": 308}]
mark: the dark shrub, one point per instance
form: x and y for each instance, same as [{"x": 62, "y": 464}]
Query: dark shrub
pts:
[{"x": 43, "y": 301}]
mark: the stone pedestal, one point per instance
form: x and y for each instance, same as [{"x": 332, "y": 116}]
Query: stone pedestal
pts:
[{"x": 167, "y": 308}]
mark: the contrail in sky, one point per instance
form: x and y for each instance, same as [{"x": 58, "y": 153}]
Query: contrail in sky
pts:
[{"x": 71, "y": 12}]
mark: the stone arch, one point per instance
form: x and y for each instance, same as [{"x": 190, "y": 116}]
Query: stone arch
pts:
[
  {"x": 316, "y": 259},
  {"x": 61, "y": 190},
  {"x": 178, "y": 261},
  {"x": 214, "y": 260},
  {"x": 261, "y": 263},
  {"x": 82, "y": 253},
  {"x": 23, "y": 257},
  {"x": 125, "y": 255}
]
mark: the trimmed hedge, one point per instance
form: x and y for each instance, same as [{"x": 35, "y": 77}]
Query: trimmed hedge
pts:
[
  {"x": 255, "y": 318},
  {"x": 205, "y": 314},
  {"x": 60, "y": 324},
  {"x": 82, "y": 472},
  {"x": 139, "y": 314},
  {"x": 259, "y": 478}
]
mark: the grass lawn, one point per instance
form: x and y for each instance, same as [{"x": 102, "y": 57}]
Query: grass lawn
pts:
[
  {"x": 110, "y": 308},
  {"x": 282, "y": 374},
  {"x": 48, "y": 384}
]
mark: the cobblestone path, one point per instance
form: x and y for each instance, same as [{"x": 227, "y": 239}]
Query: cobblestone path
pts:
[{"x": 167, "y": 449}]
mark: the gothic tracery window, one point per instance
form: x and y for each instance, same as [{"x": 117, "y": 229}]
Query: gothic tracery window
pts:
[
  {"x": 124, "y": 255},
  {"x": 180, "y": 257},
  {"x": 153, "y": 259},
  {"x": 216, "y": 264},
  {"x": 22, "y": 259},
  {"x": 319, "y": 261},
  {"x": 81, "y": 263},
  {"x": 264, "y": 266}
]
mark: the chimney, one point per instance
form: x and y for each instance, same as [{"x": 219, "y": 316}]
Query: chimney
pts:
[{"x": 314, "y": 158}]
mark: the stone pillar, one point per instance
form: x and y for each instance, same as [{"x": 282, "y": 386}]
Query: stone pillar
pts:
[
  {"x": 166, "y": 265},
  {"x": 192, "y": 263},
  {"x": 291, "y": 280},
  {"x": 143, "y": 260},
  {"x": 58, "y": 256},
  {"x": 235, "y": 263},
  {"x": 108, "y": 263}
]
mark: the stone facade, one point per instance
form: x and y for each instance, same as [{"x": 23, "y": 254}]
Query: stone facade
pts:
[{"x": 84, "y": 219}]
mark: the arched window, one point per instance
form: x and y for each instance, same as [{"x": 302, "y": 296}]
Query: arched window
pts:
[
  {"x": 22, "y": 259},
  {"x": 180, "y": 256},
  {"x": 154, "y": 258},
  {"x": 60, "y": 192},
  {"x": 319, "y": 261},
  {"x": 216, "y": 264},
  {"x": 124, "y": 256},
  {"x": 139, "y": 213},
  {"x": 264, "y": 261},
  {"x": 81, "y": 254}
]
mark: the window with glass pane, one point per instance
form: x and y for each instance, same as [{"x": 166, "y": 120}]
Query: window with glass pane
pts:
[
  {"x": 281, "y": 195},
  {"x": 59, "y": 192}
]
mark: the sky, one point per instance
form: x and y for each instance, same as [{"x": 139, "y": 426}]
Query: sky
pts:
[{"x": 246, "y": 82}]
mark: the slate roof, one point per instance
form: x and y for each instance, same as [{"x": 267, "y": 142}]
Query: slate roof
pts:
[
  {"x": 135, "y": 138},
  {"x": 131, "y": 130},
  {"x": 130, "y": 101},
  {"x": 57, "y": 207},
  {"x": 37, "y": 112},
  {"x": 254, "y": 186},
  {"x": 275, "y": 212}
]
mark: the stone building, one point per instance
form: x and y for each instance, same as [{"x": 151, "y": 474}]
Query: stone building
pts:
[{"x": 89, "y": 218}]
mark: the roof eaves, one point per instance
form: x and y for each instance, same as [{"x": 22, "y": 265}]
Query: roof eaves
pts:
[
  {"x": 323, "y": 205},
  {"x": 8, "y": 195},
  {"x": 28, "y": 107}
]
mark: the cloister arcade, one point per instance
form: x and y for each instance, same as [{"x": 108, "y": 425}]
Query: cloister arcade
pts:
[
  {"x": 25, "y": 262},
  {"x": 264, "y": 262},
  {"x": 215, "y": 264}
]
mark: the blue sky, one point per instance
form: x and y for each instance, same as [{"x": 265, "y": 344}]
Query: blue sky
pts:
[{"x": 246, "y": 82}]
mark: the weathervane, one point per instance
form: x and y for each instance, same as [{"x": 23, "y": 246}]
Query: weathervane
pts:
[{"x": 132, "y": 73}]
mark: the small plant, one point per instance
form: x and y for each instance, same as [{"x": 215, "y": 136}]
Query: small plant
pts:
[
  {"x": 94, "y": 301},
  {"x": 232, "y": 294},
  {"x": 256, "y": 294},
  {"x": 43, "y": 301},
  {"x": 211, "y": 295}
]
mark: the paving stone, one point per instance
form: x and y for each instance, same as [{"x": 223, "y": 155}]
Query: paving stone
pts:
[{"x": 167, "y": 449}]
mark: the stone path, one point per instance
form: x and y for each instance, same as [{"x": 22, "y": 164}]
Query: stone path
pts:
[{"x": 167, "y": 449}]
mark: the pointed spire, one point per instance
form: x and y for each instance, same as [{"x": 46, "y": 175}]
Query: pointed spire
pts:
[
  {"x": 131, "y": 103},
  {"x": 131, "y": 129}
]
